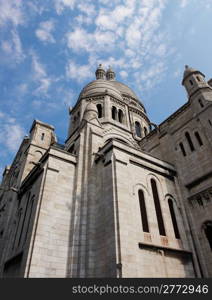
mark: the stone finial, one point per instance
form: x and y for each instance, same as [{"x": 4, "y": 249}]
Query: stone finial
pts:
[
  {"x": 100, "y": 72},
  {"x": 110, "y": 74}
]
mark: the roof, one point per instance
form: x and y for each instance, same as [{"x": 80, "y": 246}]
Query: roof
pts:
[{"x": 113, "y": 87}]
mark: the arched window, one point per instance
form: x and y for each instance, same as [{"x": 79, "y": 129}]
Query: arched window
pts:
[
  {"x": 144, "y": 219},
  {"x": 198, "y": 78},
  {"x": 191, "y": 82},
  {"x": 208, "y": 232},
  {"x": 145, "y": 131},
  {"x": 158, "y": 208},
  {"x": 42, "y": 136},
  {"x": 120, "y": 116},
  {"x": 182, "y": 149},
  {"x": 114, "y": 113},
  {"x": 187, "y": 135},
  {"x": 138, "y": 129},
  {"x": 174, "y": 220},
  {"x": 198, "y": 138},
  {"x": 201, "y": 103},
  {"x": 99, "y": 108}
]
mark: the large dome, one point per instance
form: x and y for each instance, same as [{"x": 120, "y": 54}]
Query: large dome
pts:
[
  {"x": 106, "y": 83},
  {"x": 98, "y": 87},
  {"x": 113, "y": 87}
]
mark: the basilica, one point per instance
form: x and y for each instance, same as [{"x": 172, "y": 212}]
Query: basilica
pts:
[{"x": 121, "y": 198}]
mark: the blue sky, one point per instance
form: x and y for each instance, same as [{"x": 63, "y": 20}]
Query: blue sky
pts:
[{"x": 49, "y": 49}]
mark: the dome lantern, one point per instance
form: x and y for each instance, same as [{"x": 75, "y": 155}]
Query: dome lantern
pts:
[
  {"x": 110, "y": 74},
  {"x": 100, "y": 72}
]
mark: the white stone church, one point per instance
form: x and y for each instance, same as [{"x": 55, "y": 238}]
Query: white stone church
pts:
[{"x": 121, "y": 198}]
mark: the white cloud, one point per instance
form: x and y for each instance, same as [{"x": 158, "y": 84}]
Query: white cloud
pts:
[
  {"x": 14, "y": 134},
  {"x": 81, "y": 40},
  {"x": 60, "y": 5},
  {"x": 11, "y": 11},
  {"x": 184, "y": 3},
  {"x": 40, "y": 76},
  {"x": 123, "y": 74},
  {"x": 11, "y": 133},
  {"x": 78, "y": 72},
  {"x": 44, "y": 32},
  {"x": 13, "y": 47},
  {"x": 126, "y": 35}
]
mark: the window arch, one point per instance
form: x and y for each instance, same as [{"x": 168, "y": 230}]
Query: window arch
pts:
[
  {"x": 120, "y": 116},
  {"x": 114, "y": 113},
  {"x": 173, "y": 217},
  {"x": 208, "y": 232},
  {"x": 198, "y": 138},
  {"x": 187, "y": 135},
  {"x": 182, "y": 149},
  {"x": 158, "y": 208},
  {"x": 138, "y": 129},
  {"x": 99, "y": 109},
  {"x": 144, "y": 218}
]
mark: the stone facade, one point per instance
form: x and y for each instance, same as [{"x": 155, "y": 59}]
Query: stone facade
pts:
[{"x": 119, "y": 198}]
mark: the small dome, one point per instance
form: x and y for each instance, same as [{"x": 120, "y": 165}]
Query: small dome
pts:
[
  {"x": 110, "y": 74},
  {"x": 188, "y": 70},
  {"x": 100, "y": 72}
]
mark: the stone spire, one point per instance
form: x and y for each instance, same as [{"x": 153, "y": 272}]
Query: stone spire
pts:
[
  {"x": 100, "y": 72},
  {"x": 110, "y": 74}
]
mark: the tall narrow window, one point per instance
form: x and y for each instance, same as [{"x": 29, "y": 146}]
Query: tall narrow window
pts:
[
  {"x": 208, "y": 232},
  {"x": 187, "y": 135},
  {"x": 158, "y": 208},
  {"x": 24, "y": 218},
  {"x": 174, "y": 220},
  {"x": 114, "y": 113},
  {"x": 201, "y": 103},
  {"x": 145, "y": 131},
  {"x": 144, "y": 219},
  {"x": 198, "y": 78},
  {"x": 120, "y": 116},
  {"x": 182, "y": 149},
  {"x": 209, "y": 121},
  {"x": 29, "y": 218},
  {"x": 138, "y": 129},
  {"x": 191, "y": 82},
  {"x": 198, "y": 138},
  {"x": 99, "y": 108},
  {"x": 42, "y": 136}
]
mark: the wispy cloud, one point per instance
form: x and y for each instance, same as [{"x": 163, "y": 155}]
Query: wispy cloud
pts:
[
  {"x": 12, "y": 47},
  {"x": 78, "y": 72},
  {"x": 126, "y": 29},
  {"x": 44, "y": 32},
  {"x": 11, "y": 11},
  {"x": 40, "y": 76},
  {"x": 11, "y": 132},
  {"x": 60, "y": 5}
]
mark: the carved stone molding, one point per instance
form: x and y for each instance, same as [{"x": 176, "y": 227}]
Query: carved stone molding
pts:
[{"x": 201, "y": 199}]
